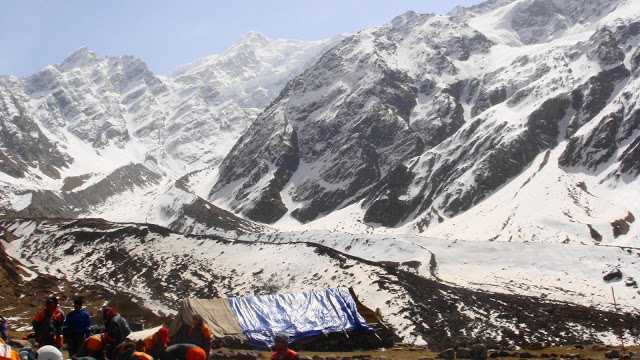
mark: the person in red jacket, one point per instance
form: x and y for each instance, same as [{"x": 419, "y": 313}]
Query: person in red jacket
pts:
[
  {"x": 48, "y": 324},
  {"x": 281, "y": 349},
  {"x": 155, "y": 344}
]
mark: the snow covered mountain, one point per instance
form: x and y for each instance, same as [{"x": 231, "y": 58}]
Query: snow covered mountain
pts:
[
  {"x": 484, "y": 163},
  {"x": 494, "y": 122},
  {"x": 105, "y": 136}
]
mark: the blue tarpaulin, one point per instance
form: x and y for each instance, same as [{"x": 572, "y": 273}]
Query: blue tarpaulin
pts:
[{"x": 297, "y": 315}]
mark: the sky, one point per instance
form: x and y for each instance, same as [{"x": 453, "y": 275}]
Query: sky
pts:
[{"x": 166, "y": 34}]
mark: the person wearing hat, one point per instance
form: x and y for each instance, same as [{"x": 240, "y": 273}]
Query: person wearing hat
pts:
[
  {"x": 49, "y": 352},
  {"x": 76, "y": 326},
  {"x": 281, "y": 349},
  {"x": 48, "y": 323},
  {"x": 116, "y": 329}
]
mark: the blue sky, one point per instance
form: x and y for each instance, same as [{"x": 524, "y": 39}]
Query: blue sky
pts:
[{"x": 165, "y": 34}]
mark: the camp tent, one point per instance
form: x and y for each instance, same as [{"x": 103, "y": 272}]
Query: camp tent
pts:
[{"x": 254, "y": 320}]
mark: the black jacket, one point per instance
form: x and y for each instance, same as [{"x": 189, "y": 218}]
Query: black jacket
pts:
[{"x": 117, "y": 329}]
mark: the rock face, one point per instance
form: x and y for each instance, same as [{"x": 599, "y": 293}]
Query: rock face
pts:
[
  {"x": 339, "y": 127},
  {"x": 401, "y": 121},
  {"x": 541, "y": 20},
  {"x": 612, "y": 133},
  {"x": 22, "y": 142},
  {"x": 503, "y": 157},
  {"x": 112, "y": 122}
]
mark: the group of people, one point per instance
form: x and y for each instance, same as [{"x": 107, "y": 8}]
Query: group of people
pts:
[{"x": 52, "y": 329}]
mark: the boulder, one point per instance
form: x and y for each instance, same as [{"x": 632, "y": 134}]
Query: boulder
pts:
[
  {"x": 479, "y": 352},
  {"x": 448, "y": 354},
  {"x": 612, "y": 354},
  {"x": 613, "y": 275},
  {"x": 463, "y": 353}
]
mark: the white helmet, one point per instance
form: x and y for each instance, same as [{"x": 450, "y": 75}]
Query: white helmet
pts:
[{"x": 49, "y": 352}]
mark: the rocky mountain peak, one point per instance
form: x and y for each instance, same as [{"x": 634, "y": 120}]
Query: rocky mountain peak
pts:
[
  {"x": 253, "y": 38},
  {"x": 481, "y": 8},
  {"x": 526, "y": 22},
  {"x": 79, "y": 58},
  {"x": 405, "y": 19}
]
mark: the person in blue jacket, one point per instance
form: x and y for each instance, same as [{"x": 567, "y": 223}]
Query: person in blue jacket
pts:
[{"x": 77, "y": 326}]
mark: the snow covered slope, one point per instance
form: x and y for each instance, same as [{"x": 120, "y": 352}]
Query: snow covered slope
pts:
[
  {"x": 109, "y": 124},
  {"x": 163, "y": 267},
  {"x": 483, "y": 124},
  {"x": 571, "y": 272}
]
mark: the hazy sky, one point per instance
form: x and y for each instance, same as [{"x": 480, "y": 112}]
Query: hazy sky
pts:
[{"x": 165, "y": 34}]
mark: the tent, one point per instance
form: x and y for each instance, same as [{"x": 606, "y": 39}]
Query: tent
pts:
[{"x": 307, "y": 318}]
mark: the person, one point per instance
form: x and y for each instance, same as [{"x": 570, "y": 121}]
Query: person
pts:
[
  {"x": 76, "y": 326},
  {"x": 197, "y": 333},
  {"x": 49, "y": 352},
  {"x": 127, "y": 351},
  {"x": 183, "y": 352},
  {"x": 4, "y": 329},
  {"x": 200, "y": 335},
  {"x": 93, "y": 347},
  {"x": 281, "y": 349},
  {"x": 116, "y": 329},
  {"x": 155, "y": 344},
  {"x": 7, "y": 352},
  {"x": 48, "y": 323}
]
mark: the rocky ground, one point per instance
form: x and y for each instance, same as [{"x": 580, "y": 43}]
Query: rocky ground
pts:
[
  {"x": 158, "y": 268},
  {"x": 414, "y": 353},
  {"x": 24, "y": 292}
]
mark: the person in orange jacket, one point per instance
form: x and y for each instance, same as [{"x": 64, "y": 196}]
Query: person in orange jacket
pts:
[
  {"x": 127, "y": 351},
  {"x": 7, "y": 352},
  {"x": 48, "y": 323},
  {"x": 197, "y": 333},
  {"x": 183, "y": 352},
  {"x": 281, "y": 349},
  {"x": 93, "y": 347},
  {"x": 155, "y": 344}
]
